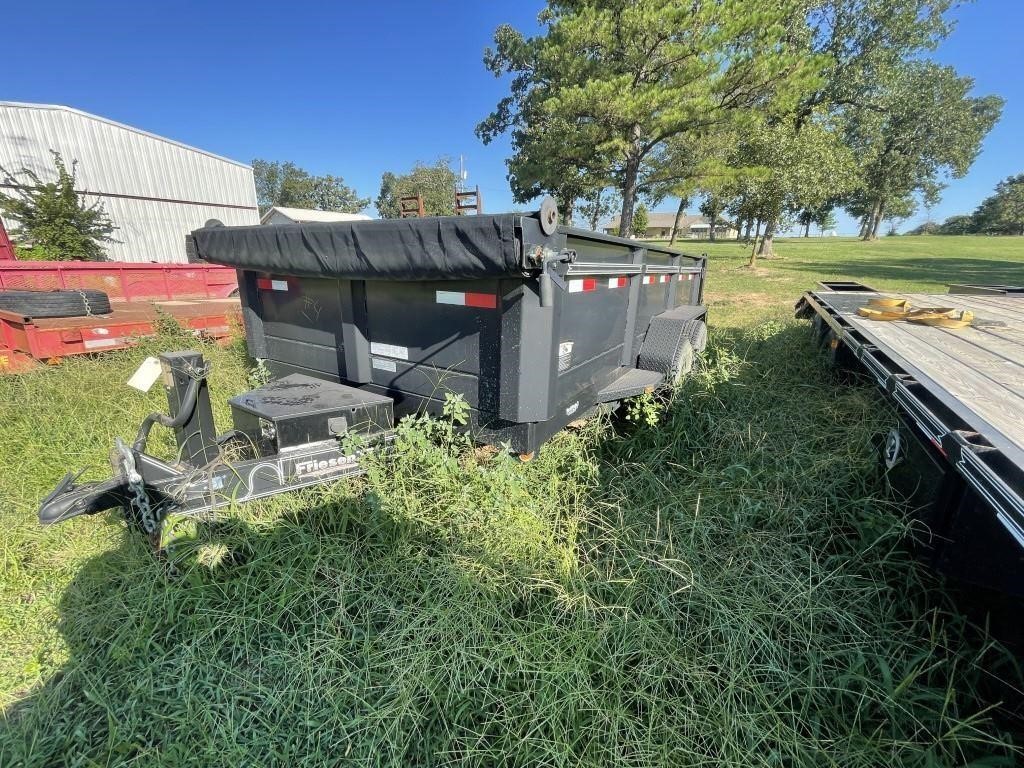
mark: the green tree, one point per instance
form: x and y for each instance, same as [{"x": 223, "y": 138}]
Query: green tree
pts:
[
  {"x": 286, "y": 184},
  {"x": 855, "y": 42},
  {"x": 1003, "y": 212},
  {"x": 641, "y": 218},
  {"x": 712, "y": 207},
  {"x": 599, "y": 205},
  {"x": 797, "y": 170},
  {"x": 921, "y": 127},
  {"x": 437, "y": 184},
  {"x": 596, "y": 96},
  {"x": 958, "y": 225},
  {"x": 53, "y": 218}
]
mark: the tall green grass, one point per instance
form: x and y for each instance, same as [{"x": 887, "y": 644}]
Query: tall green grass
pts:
[{"x": 729, "y": 588}]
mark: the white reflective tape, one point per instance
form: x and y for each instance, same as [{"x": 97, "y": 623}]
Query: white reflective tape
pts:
[
  {"x": 389, "y": 350},
  {"x": 575, "y": 286},
  {"x": 279, "y": 285},
  {"x": 101, "y": 343},
  {"x": 648, "y": 279},
  {"x": 384, "y": 365},
  {"x": 451, "y": 297}
]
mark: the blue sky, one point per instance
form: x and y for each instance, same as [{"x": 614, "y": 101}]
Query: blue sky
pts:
[{"x": 355, "y": 89}]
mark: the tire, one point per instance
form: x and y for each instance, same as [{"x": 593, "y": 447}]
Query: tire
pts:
[
  {"x": 667, "y": 349},
  {"x": 697, "y": 332},
  {"x": 75, "y": 303}
]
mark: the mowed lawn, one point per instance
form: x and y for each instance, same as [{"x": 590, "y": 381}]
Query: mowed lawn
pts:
[{"x": 729, "y": 587}]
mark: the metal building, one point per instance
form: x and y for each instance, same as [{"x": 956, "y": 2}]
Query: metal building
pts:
[{"x": 154, "y": 189}]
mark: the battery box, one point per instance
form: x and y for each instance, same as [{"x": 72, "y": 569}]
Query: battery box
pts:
[{"x": 297, "y": 410}]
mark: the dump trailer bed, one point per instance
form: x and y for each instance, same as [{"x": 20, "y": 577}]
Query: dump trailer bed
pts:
[
  {"x": 959, "y": 453},
  {"x": 533, "y": 323}
]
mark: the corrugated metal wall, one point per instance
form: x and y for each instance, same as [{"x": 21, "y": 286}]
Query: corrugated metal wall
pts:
[{"x": 155, "y": 190}]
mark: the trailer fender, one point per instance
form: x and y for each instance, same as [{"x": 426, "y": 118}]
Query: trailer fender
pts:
[{"x": 667, "y": 348}]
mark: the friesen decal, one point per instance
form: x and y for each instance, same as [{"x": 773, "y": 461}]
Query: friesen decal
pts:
[
  {"x": 572, "y": 408},
  {"x": 322, "y": 466}
]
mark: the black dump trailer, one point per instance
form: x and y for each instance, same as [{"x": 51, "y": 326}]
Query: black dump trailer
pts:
[
  {"x": 957, "y": 453},
  {"x": 534, "y": 324}
]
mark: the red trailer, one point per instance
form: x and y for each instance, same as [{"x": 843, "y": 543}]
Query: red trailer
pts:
[
  {"x": 199, "y": 296},
  {"x": 6, "y": 249},
  {"x": 121, "y": 280}
]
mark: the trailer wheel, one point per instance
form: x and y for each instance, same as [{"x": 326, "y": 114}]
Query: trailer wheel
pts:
[
  {"x": 697, "y": 331},
  {"x": 75, "y": 303},
  {"x": 667, "y": 349}
]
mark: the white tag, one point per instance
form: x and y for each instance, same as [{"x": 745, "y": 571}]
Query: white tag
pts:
[
  {"x": 384, "y": 365},
  {"x": 146, "y": 375},
  {"x": 389, "y": 350}
]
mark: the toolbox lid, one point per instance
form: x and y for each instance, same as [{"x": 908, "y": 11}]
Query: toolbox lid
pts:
[
  {"x": 301, "y": 395},
  {"x": 432, "y": 248}
]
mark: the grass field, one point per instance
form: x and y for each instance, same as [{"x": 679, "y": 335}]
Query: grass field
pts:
[{"x": 728, "y": 588}]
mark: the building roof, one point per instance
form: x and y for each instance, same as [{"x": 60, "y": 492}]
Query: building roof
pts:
[
  {"x": 658, "y": 220},
  {"x": 306, "y": 215},
  {"x": 155, "y": 190},
  {"x": 114, "y": 123}
]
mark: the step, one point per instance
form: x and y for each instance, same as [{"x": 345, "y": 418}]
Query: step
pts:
[{"x": 631, "y": 383}]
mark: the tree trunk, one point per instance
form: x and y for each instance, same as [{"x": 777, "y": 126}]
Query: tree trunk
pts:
[
  {"x": 807, "y": 228},
  {"x": 872, "y": 221},
  {"x": 683, "y": 202},
  {"x": 878, "y": 221},
  {"x": 767, "y": 249},
  {"x": 629, "y": 177},
  {"x": 596, "y": 213},
  {"x": 746, "y": 234},
  {"x": 714, "y": 220},
  {"x": 753, "y": 251},
  {"x": 566, "y": 213},
  {"x": 863, "y": 226}
]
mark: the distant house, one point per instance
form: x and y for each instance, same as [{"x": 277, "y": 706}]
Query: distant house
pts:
[
  {"x": 659, "y": 227},
  {"x": 281, "y": 215}
]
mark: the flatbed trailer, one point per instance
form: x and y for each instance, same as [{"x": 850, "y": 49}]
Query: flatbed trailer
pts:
[
  {"x": 958, "y": 453},
  {"x": 27, "y": 341}
]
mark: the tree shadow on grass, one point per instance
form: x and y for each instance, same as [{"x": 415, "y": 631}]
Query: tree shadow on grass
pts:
[{"x": 733, "y": 587}]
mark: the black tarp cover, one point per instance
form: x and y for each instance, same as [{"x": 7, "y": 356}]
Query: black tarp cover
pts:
[{"x": 438, "y": 248}]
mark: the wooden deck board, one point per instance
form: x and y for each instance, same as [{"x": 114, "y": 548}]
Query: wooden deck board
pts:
[{"x": 981, "y": 368}]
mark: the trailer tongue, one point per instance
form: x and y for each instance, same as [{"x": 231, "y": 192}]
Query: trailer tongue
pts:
[
  {"x": 291, "y": 433},
  {"x": 533, "y": 324}
]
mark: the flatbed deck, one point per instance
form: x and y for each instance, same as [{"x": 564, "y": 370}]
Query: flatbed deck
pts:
[
  {"x": 24, "y": 341},
  {"x": 960, "y": 391},
  {"x": 977, "y": 372}
]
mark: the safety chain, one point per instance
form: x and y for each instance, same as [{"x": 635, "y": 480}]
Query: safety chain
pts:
[
  {"x": 85, "y": 302},
  {"x": 139, "y": 500}
]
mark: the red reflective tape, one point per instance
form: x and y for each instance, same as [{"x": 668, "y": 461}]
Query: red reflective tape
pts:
[
  {"x": 482, "y": 300},
  {"x": 589, "y": 284},
  {"x": 272, "y": 283}
]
